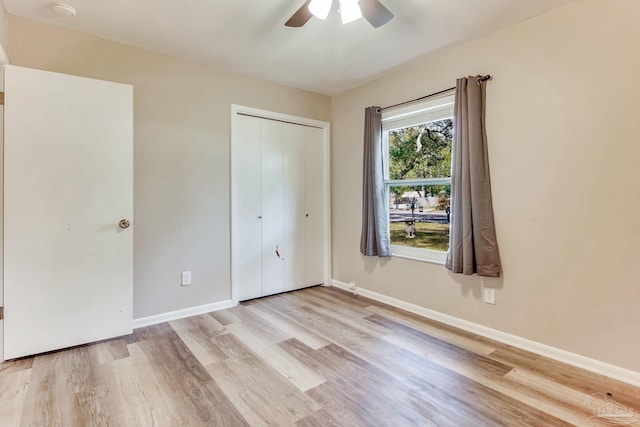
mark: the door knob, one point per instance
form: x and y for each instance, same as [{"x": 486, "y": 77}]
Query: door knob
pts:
[{"x": 124, "y": 223}]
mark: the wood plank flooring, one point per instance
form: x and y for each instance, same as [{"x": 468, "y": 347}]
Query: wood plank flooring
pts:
[{"x": 316, "y": 357}]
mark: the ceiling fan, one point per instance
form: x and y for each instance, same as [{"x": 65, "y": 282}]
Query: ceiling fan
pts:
[{"x": 350, "y": 10}]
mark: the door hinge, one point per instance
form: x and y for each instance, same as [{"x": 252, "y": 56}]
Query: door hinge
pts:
[{"x": 1, "y": 313}]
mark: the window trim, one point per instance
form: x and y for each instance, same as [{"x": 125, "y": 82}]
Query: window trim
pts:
[{"x": 432, "y": 110}]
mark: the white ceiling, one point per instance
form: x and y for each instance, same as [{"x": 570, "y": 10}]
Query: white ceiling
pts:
[{"x": 249, "y": 36}]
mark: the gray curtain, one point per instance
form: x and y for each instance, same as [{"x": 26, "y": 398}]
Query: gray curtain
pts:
[
  {"x": 374, "y": 240},
  {"x": 472, "y": 244}
]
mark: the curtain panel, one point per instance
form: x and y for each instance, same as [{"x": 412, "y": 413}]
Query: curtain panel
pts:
[
  {"x": 472, "y": 240},
  {"x": 375, "y": 239}
]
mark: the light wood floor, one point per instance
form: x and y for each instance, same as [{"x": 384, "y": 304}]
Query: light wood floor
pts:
[{"x": 317, "y": 357}]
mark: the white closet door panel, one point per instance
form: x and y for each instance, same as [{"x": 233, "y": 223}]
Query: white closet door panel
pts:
[
  {"x": 314, "y": 206},
  {"x": 294, "y": 210},
  {"x": 273, "y": 243},
  {"x": 68, "y": 267},
  {"x": 247, "y": 193}
]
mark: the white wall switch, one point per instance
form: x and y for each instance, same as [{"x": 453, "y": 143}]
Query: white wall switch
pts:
[
  {"x": 186, "y": 278},
  {"x": 489, "y": 295}
]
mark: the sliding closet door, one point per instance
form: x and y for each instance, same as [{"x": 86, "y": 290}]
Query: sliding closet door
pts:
[
  {"x": 314, "y": 206},
  {"x": 293, "y": 151},
  {"x": 273, "y": 203},
  {"x": 247, "y": 210}
]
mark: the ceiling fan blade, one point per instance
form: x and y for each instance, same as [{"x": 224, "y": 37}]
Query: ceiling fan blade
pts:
[
  {"x": 301, "y": 16},
  {"x": 375, "y": 12}
]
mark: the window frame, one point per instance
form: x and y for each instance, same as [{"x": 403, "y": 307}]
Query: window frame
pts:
[{"x": 434, "y": 109}]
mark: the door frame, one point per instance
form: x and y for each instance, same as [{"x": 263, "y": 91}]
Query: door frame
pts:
[{"x": 237, "y": 110}]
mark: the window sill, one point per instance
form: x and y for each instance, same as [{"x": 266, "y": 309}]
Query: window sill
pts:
[
  {"x": 427, "y": 260},
  {"x": 422, "y": 255}
]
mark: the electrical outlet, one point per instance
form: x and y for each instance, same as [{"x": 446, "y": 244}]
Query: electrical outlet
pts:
[
  {"x": 186, "y": 278},
  {"x": 489, "y": 295}
]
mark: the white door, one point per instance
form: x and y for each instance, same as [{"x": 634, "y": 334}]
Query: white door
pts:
[
  {"x": 246, "y": 219},
  {"x": 68, "y": 182},
  {"x": 279, "y": 203},
  {"x": 314, "y": 206},
  {"x": 273, "y": 202},
  {"x": 294, "y": 213}
]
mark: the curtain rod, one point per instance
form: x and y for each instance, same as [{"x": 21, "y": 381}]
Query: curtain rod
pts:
[{"x": 480, "y": 80}]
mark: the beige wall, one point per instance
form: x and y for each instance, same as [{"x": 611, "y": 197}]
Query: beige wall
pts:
[
  {"x": 181, "y": 131},
  {"x": 563, "y": 126},
  {"x": 4, "y": 35}
]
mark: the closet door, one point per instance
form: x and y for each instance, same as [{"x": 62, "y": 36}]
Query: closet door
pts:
[
  {"x": 278, "y": 203},
  {"x": 314, "y": 206},
  {"x": 273, "y": 207},
  {"x": 247, "y": 210},
  {"x": 293, "y": 151}
]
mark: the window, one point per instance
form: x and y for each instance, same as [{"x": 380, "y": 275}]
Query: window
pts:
[{"x": 417, "y": 174}]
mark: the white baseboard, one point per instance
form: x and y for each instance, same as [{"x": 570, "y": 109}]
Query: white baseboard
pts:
[
  {"x": 181, "y": 314},
  {"x": 612, "y": 371}
]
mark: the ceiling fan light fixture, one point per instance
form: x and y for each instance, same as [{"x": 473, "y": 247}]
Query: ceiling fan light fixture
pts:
[
  {"x": 350, "y": 11},
  {"x": 320, "y": 8}
]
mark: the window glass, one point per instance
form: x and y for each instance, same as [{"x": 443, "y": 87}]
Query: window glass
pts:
[{"x": 418, "y": 178}]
